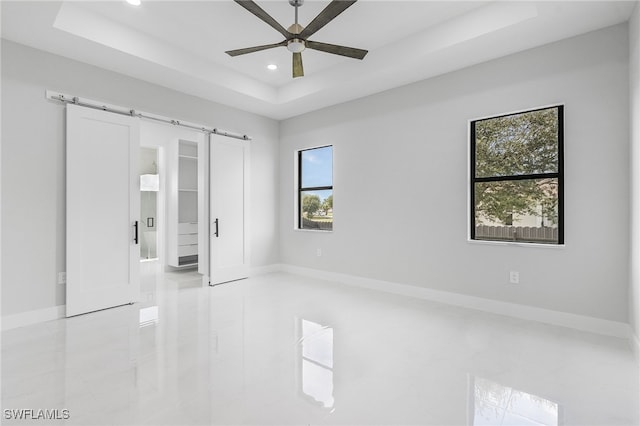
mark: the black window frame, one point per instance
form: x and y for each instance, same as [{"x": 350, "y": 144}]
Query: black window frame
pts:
[
  {"x": 311, "y": 188},
  {"x": 559, "y": 175}
]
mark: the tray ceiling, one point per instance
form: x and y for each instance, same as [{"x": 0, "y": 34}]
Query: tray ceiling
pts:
[{"x": 181, "y": 44}]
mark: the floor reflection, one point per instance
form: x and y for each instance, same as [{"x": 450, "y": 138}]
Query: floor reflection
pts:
[
  {"x": 281, "y": 349},
  {"x": 496, "y": 404},
  {"x": 148, "y": 316},
  {"x": 316, "y": 355}
]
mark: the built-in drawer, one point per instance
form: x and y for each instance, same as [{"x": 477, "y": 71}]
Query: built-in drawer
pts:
[
  {"x": 187, "y": 239},
  {"x": 187, "y": 250},
  {"x": 188, "y": 228}
]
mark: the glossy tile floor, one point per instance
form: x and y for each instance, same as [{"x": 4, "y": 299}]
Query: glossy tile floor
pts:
[{"x": 283, "y": 349}]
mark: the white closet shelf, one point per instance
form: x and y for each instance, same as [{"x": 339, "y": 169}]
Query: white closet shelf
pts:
[{"x": 184, "y": 241}]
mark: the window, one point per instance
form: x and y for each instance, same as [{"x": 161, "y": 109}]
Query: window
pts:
[
  {"x": 315, "y": 188},
  {"x": 517, "y": 177}
]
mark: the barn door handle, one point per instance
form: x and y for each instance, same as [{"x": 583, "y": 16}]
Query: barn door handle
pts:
[
  {"x": 135, "y": 235},
  {"x": 217, "y": 228}
]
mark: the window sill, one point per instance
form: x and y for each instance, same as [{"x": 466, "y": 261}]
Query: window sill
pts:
[
  {"x": 517, "y": 244},
  {"x": 322, "y": 231}
]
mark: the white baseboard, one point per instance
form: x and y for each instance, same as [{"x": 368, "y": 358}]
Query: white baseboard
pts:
[
  {"x": 547, "y": 316},
  {"x": 578, "y": 322},
  {"x": 262, "y": 270},
  {"x": 48, "y": 314},
  {"x": 32, "y": 317}
]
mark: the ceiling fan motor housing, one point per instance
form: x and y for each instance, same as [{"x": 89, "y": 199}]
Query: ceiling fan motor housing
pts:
[{"x": 295, "y": 29}]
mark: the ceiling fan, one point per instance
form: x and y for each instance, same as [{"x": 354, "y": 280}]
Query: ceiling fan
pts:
[{"x": 297, "y": 37}]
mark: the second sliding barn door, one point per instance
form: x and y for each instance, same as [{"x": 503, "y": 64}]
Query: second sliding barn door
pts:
[{"x": 229, "y": 161}]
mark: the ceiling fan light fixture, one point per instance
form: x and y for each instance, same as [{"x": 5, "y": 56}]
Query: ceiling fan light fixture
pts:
[
  {"x": 134, "y": 2},
  {"x": 296, "y": 45}
]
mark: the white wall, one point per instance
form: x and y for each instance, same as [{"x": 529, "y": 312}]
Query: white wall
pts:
[
  {"x": 400, "y": 181},
  {"x": 33, "y": 198},
  {"x": 634, "y": 103}
]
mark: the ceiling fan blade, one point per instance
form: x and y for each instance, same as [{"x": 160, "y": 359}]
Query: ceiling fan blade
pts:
[
  {"x": 298, "y": 69},
  {"x": 260, "y": 13},
  {"x": 350, "y": 52},
  {"x": 335, "y": 8},
  {"x": 238, "y": 52}
]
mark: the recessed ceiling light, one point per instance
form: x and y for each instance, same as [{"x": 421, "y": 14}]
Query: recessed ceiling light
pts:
[
  {"x": 272, "y": 67},
  {"x": 134, "y": 2}
]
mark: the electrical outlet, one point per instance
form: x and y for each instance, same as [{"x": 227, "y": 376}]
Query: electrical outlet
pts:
[
  {"x": 514, "y": 277},
  {"x": 62, "y": 277},
  {"x": 319, "y": 252}
]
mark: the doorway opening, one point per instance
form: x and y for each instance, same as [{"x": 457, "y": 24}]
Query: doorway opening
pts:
[
  {"x": 181, "y": 228},
  {"x": 149, "y": 188}
]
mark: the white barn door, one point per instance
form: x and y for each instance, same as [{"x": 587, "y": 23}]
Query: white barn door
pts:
[
  {"x": 103, "y": 208},
  {"x": 229, "y": 166}
]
